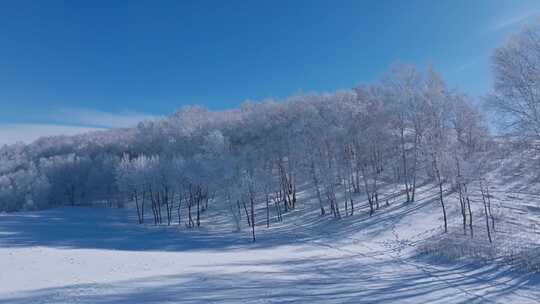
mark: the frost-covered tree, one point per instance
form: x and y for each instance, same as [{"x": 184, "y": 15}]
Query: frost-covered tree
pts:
[
  {"x": 344, "y": 146},
  {"x": 516, "y": 93}
]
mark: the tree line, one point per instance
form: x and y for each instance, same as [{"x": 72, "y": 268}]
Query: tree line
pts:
[{"x": 407, "y": 129}]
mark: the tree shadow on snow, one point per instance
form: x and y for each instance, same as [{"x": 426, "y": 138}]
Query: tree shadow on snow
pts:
[
  {"x": 101, "y": 228},
  {"x": 116, "y": 229},
  {"x": 322, "y": 280}
]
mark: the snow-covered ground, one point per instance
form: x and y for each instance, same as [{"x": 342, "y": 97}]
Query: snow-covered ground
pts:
[{"x": 94, "y": 255}]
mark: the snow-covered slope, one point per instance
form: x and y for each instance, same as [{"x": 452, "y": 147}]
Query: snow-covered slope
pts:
[{"x": 82, "y": 255}]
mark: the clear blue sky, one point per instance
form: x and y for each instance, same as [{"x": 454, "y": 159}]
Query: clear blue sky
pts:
[{"x": 68, "y": 62}]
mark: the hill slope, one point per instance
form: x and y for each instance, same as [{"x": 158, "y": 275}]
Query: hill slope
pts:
[{"x": 81, "y": 255}]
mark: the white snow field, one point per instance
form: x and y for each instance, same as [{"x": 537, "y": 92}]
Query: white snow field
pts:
[{"x": 100, "y": 255}]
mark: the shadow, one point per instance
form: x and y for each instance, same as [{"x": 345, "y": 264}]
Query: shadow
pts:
[
  {"x": 339, "y": 273},
  {"x": 345, "y": 279},
  {"x": 103, "y": 228},
  {"x": 116, "y": 229}
]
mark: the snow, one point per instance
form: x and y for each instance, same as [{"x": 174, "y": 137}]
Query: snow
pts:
[{"x": 99, "y": 255}]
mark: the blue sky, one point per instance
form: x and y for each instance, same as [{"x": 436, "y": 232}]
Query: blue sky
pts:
[{"x": 110, "y": 63}]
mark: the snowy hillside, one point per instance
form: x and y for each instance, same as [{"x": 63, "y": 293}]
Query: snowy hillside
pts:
[
  {"x": 397, "y": 190},
  {"x": 100, "y": 255}
]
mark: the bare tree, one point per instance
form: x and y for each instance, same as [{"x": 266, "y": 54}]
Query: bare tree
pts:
[{"x": 516, "y": 97}]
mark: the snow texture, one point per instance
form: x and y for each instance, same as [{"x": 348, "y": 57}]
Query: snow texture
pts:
[{"x": 99, "y": 255}]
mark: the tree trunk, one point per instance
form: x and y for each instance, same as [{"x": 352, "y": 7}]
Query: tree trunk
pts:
[
  {"x": 252, "y": 217},
  {"x": 415, "y": 165},
  {"x": 198, "y": 198},
  {"x": 138, "y": 209},
  {"x": 486, "y": 212},
  {"x": 462, "y": 208},
  {"x": 190, "y": 204},
  {"x": 404, "y": 160},
  {"x": 345, "y": 197},
  {"x": 470, "y": 217},
  {"x": 159, "y": 202},
  {"x": 316, "y": 183},
  {"x": 267, "y": 210},
  {"x": 142, "y": 206},
  {"x": 440, "y": 181},
  {"x": 489, "y": 209},
  {"x": 166, "y": 199},
  {"x": 443, "y": 207},
  {"x": 247, "y": 213},
  {"x": 349, "y": 185},
  {"x": 370, "y": 200},
  {"x": 179, "y": 207}
]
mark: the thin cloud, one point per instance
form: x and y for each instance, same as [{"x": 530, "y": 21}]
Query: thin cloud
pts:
[
  {"x": 27, "y": 133},
  {"x": 68, "y": 121},
  {"x": 515, "y": 20},
  {"x": 95, "y": 118}
]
